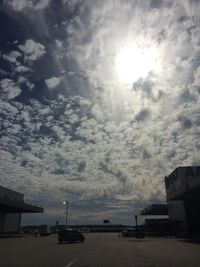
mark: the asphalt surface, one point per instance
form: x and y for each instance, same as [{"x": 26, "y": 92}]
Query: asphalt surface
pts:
[{"x": 98, "y": 250}]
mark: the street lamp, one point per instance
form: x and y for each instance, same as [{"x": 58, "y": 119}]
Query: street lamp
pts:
[{"x": 67, "y": 207}]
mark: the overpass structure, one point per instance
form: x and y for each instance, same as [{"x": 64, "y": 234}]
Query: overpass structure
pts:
[{"x": 12, "y": 205}]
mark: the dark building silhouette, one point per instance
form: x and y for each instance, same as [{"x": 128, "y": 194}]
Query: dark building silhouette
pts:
[
  {"x": 96, "y": 228},
  {"x": 155, "y": 209},
  {"x": 183, "y": 198},
  {"x": 12, "y": 205},
  {"x": 159, "y": 223}
]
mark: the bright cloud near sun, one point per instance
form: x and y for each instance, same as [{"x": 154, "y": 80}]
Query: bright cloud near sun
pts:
[{"x": 133, "y": 63}]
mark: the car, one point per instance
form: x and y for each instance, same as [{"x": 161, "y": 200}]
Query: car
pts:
[{"x": 70, "y": 236}]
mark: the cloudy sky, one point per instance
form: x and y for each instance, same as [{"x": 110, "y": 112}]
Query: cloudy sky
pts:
[{"x": 99, "y": 101}]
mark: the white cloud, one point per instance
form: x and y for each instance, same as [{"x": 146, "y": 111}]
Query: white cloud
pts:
[
  {"x": 53, "y": 82},
  {"x": 12, "y": 56},
  {"x": 20, "y": 5},
  {"x": 112, "y": 161},
  {"x": 59, "y": 44},
  {"x": 73, "y": 119},
  {"x": 21, "y": 79},
  {"x": 197, "y": 77},
  {"x": 21, "y": 68},
  {"x": 32, "y": 50},
  {"x": 7, "y": 108},
  {"x": 196, "y": 39},
  {"x": 192, "y": 8},
  {"x": 29, "y": 84},
  {"x": 9, "y": 88}
]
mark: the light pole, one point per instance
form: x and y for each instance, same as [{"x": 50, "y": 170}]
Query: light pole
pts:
[{"x": 67, "y": 208}]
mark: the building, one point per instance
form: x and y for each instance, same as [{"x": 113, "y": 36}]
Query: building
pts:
[
  {"x": 183, "y": 198},
  {"x": 157, "y": 222},
  {"x": 95, "y": 228},
  {"x": 155, "y": 209},
  {"x": 12, "y": 205}
]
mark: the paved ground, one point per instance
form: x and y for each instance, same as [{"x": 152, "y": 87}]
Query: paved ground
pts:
[{"x": 98, "y": 250}]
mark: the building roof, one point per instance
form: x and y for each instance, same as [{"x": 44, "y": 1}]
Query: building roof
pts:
[
  {"x": 155, "y": 209},
  {"x": 12, "y": 206},
  {"x": 183, "y": 182}
]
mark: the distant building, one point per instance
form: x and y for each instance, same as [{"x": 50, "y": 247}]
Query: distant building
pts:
[
  {"x": 157, "y": 222},
  {"x": 155, "y": 209},
  {"x": 96, "y": 228},
  {"x": 183, "y": 198},
  {"x": 12, "y": 205}
]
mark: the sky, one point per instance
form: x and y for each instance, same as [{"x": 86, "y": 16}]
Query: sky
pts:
[{"x": 99, "y": 102}]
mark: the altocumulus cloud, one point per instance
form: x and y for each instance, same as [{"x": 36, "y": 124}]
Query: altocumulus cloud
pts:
[
  {"x": 32, "y": 50},
  {"x": 52, "y": 82},
  {"x": 98, "y": 142},
  {"x": 20, "y": 5}
]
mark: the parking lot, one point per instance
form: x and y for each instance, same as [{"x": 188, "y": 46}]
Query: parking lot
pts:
[{"x": 98, "y": 250}]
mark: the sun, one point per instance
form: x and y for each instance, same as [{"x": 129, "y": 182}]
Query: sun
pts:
[{"x": 133, "y": 63}]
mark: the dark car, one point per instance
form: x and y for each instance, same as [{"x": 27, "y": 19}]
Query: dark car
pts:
[{"x": 70, "y": 236}]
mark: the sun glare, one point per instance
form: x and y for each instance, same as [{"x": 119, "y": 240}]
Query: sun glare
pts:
[{"x": 133, "y": 63}]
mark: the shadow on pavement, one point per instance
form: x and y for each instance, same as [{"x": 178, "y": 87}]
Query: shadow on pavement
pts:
[
  {"x": 68, "y": 243},
  {"x": 10, "y": 236},
  {"x": 137, "y": 240},
  {"x": 191, "y": 241}
]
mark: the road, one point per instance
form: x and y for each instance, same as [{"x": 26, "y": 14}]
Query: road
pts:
[{"x": 98, "y": 250}]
